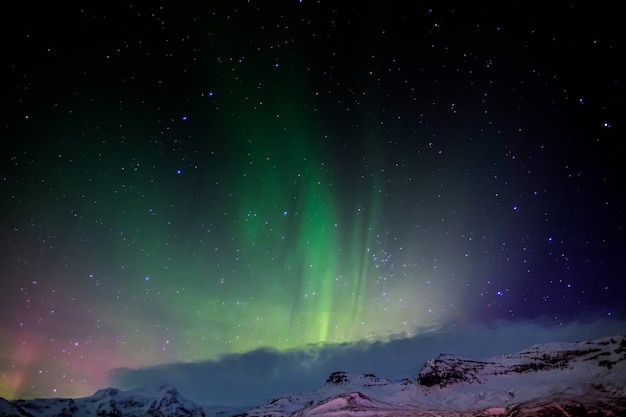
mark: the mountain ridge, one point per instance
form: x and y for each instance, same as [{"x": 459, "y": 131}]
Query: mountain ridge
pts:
[{"x": 553, "y": 379}]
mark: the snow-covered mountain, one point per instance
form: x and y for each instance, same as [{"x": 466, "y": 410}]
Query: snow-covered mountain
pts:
[
  {"x": 160, "y": 401},
  {"x": 558, "y": 379},
  {"x": 563, "y": 379}
]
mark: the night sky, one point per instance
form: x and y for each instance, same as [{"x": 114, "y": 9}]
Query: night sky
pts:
[{"x": 192, "y": 183}]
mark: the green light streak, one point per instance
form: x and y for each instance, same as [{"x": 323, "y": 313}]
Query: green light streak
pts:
[
  {"x": 316, "y": 248},
  {"x": 360, "y": 246}
]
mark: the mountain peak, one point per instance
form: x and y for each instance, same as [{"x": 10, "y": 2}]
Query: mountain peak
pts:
[
  {"x": 106, "y": 392},
  {"x": 161, "y": 400},
  {"x": 337, "y": 378},
  {"x": 341, "y": 378},
  {"x": 449, "y": 369},
  {"x": 599, "y": 355}
]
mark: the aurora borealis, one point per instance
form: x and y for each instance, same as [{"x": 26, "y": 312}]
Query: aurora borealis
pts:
[{"x": 184, "y": 181}]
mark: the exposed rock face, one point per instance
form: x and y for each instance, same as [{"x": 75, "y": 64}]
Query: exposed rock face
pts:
[
  {"x": 446, "y": 370},
  {"x": 337, "y": 378},
  {"x": 341, "y": 378}
]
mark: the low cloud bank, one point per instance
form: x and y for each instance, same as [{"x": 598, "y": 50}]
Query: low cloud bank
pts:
[{"x": 254, "y": 377}]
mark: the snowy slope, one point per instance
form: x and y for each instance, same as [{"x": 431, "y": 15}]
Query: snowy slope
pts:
[
  {"x": 584, "y": 374},
  {"x": 558, "y": 379},
  {"x": 162, "y": 400},
  {"x": 540, "y": 371}
]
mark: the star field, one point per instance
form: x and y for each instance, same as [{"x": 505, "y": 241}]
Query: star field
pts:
[{"x": 183, "y": 181}]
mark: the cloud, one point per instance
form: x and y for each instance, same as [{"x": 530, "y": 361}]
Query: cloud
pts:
[
  {"x": 254, "y": 377},
  {"x": 237, "y": 379}
]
